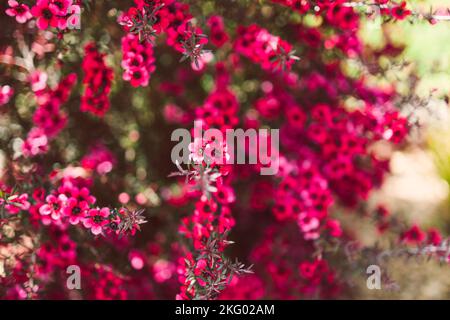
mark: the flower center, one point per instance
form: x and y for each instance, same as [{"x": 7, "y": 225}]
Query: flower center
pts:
[
  {"x": 47, "y": 14},
  {"x": 97, "y": 219}
]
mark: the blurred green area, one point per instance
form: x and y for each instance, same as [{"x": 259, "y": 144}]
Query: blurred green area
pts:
[
  {"x": 427, "y": 49},
  {"x": 426, "y": 46}
]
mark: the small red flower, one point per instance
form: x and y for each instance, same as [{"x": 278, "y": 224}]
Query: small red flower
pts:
[
  {"x": 96, "y": 219},
  {"x": 414, "y": 235},
  {"x": 19, "y": 10},
  {"x": 75, "y": 210},
  {"x": 400, "y": 12},
  {"x": 46, "y": 14},
  {"x": 54, "y": 206}
]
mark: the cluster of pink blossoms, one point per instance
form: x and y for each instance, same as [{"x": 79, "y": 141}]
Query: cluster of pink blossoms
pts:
[
  {"x": 205, "y": 229},
  {"x": 160, "y": 15},
  {"x": 291, "y": 273},
  {"x": 71, "y": 203},
  {"x": 260, "y": 46},
  {"x": 53, "y": 13},
  {"x": 97, "y": 80},
  {"x": 148, "y": 19},
  {"x": 212, "y": 218},
  {"x": 303, "y": 196},
  {"x": 334, "y": 140},
  {"x": 138, "y": 60},
  {"x": 218, "y": 35},
  {"x": 327, "y": 158},
  {"x": 49, "y": 13},
  {"x": 48, "y": 118},
  {"x": 221, "y": 106}
]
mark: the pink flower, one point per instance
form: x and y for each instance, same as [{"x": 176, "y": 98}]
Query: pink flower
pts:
[
  {"x": 136, "y": 76},
  {"x": 19, "y": 10},
  {"x": 75, "y": 210},
  {"x": 263, "y": 48},
  {"x": 225, "y": 194},
  {"x": 61, "y": 5},
  {"x": 50, "y": 118},
  {"x": 400, "y": 12},
  {"x": 434, "y": 237},
  {"x": 38, "y": 80},
  {"x": 307, "y": 269},
  {"x": 334, "y": 228},
  {"x": 296, "y": 118},
  {"x": 218, "y": 35},
  {"x": 79, "y": 193},
  {"x": 6, "y": 92},
  {"x": 97, "y": 80},
  {"x": 132, "y": 60},
  {"x": 46, "y": 14},
  {"x": 36, "y": 143},
  {"x": 205, "y": 207},
  {"x": 138, "y": 60},
  {"x": 307, "y": 223},
  {"x": 414, "y": 235},
  {"x": 124, "y": 198},
  {"x": 96, "y": 219},
  {"x": 54, "y": 206}
]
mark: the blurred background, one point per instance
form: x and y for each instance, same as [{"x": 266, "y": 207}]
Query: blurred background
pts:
[{"x": 418, "y": 187}]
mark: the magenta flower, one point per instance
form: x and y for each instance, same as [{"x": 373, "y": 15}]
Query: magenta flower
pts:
[
  {"x": 36, "y": 143},
  {"x": 307, "y": 223},
  {"x": 97, "y": 79},
  {"x": 75, "y": 210},
  {"x": 225, "y": 194},
  {"x": 138, "y": 60},
  {"x": 61, "y": 5},
  {"x": 136, "y": 76},
  {"x": 96, "y": 219},
  {"x": 19, "y": 10},
  {"x": 46, "y": 14},
  {"x": 54, "y": 206},
  {"x": 38, "y": 80}
]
